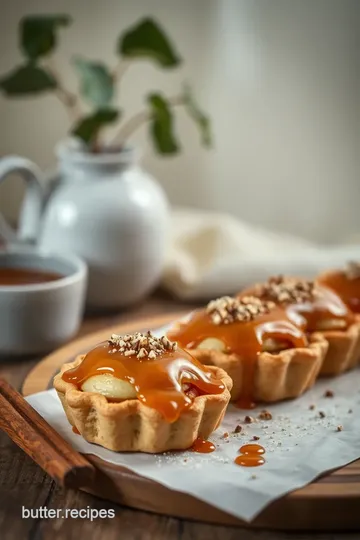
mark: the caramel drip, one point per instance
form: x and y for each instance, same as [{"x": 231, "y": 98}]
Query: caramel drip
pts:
[
  {"x": 348, "y": 289},
  {"x": 250, "y": 456},
  {"x": 158, "y": 382},
  {"x": 252, "y": 449},
  {"x": 26, "y": 276},
  {"x": 309, "y": 315},
  {"x": 249, "y": 460},
  {"x": 201, "y": 446},
  {"x": 246, "y": 339}
]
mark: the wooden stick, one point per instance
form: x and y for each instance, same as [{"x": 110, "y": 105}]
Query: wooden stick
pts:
[{"x": 40, "y": 441}]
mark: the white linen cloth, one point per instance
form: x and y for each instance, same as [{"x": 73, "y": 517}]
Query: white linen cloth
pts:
[{"x": 213, "y": 254}]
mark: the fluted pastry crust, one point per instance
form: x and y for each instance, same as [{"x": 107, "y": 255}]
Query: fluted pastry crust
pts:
[
  {"x": 131, "y": 426},
  {"x": 344, "y": 349},
  {"x": 287, "y": 374}
]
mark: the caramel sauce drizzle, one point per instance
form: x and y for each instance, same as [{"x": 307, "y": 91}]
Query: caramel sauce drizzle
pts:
[
  {"x": 327, "y": 305},
  {"x": 309, "y": 314},
  {"x": 250, "y": 456},
  {"x": 348, "y": 289},
  {"x": 158, "y": 382},
  {"x": 201, "y": 446},
  {"x": 244, "y": 338}
]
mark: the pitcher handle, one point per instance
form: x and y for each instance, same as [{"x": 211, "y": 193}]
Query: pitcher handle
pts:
[{"x": 30, "y": 215}]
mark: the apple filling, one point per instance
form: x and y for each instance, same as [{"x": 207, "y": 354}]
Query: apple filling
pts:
[
  {"x": 110, "y": 387},
  {"x": 270, "y": 345}
]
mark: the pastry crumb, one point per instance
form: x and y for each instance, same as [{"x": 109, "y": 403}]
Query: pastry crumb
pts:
[
  {"x": 312, "y": 407},
  {"x": 329, "y": 394},
  {"x": 253, "y": 477},
  {"x": 255, "y": 438},
  {"x": 249, "y": 420},
  {"x": 339, "y": 428},
  {"x": 265, "y": 415},
  {"x": 322, "y": 414},
  {"x": 225, "y": 435},
  {"x": 238, "y": 429},
  {"x": 350, "y": 411}
]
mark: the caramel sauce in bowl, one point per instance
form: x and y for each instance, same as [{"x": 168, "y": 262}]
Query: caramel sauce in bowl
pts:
[
  {"x": 163, "y": 383},
  {"x": 42, "y": 298},
  {"x": 26, "y": 276}
]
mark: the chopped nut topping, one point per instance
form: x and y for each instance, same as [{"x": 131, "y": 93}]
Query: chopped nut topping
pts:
[
  {"x": 284, "y": 290},
  {"x": 141, "y": 345},
  {"x": 352, "y": 270},
  {"x": 339, "y": 428},
  {"x": 321, "y": 414},
  {"x": 311, "y": 407},
  {"x": 249, "y": 420},
  {"x": 255, "y": 438},
  {"x": 265, "y": 415},
  {"x": 227, "y": 310},
  {"x": 329, "y": 393},
  {"x": 238, "y": 429}
]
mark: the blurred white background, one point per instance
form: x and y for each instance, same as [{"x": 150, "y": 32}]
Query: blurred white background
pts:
[{"x": 280, "y": 78}]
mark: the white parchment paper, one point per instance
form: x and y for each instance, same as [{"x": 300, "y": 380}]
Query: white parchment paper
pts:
[{"x": 300, "y": 444}]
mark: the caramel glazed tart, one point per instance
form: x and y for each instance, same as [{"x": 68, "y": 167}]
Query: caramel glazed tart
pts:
[
  {"x": 279, "y": 375},
  {"x": 131, "y": 426},
  {"x": 343, "y": 351}
]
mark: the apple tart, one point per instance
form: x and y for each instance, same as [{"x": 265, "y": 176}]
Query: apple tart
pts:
[
  {"x": 316, "y": 309},
  {"x": 345, "y": 283},
  {"x": 138, "y": 392},
  {"x": 267, "y": 356}
]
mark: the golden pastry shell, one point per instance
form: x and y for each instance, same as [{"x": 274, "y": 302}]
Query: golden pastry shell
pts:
[
  {"x": 278, "y": 376},
  {"x": 131, "y": 426}
]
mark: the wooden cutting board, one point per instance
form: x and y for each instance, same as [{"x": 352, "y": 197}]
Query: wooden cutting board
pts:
[{"x": 330, "y": 503}]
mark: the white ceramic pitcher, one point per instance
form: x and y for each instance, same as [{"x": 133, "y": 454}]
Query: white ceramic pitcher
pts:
[{"x": 102, "y": 207}]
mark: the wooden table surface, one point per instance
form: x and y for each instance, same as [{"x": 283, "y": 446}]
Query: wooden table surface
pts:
[{"x": 24, "y": 484}]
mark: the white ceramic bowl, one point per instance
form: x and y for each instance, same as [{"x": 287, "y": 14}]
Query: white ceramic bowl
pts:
[{"x": 37, "y": 318}]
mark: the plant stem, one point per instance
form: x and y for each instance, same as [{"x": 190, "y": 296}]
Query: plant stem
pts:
[
  {"x": 67, "y": 98},
  {"x": 119, "y": 71},
  {"x": 136, "y": 121}
]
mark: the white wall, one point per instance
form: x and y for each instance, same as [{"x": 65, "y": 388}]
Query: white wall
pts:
[{"x": 280, "y": 77}]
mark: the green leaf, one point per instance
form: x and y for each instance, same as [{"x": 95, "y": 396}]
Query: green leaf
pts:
[
  {"x": 161, "y": 125},
  {"x": 88, "y": 128},
  {"x": 96, "y": 83},
  {"x": 198, "y": 116},
  {"x": 38, "y": 34},
  {"x": 28, "y": 79},
  {"x": 148, "y": 41}
]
